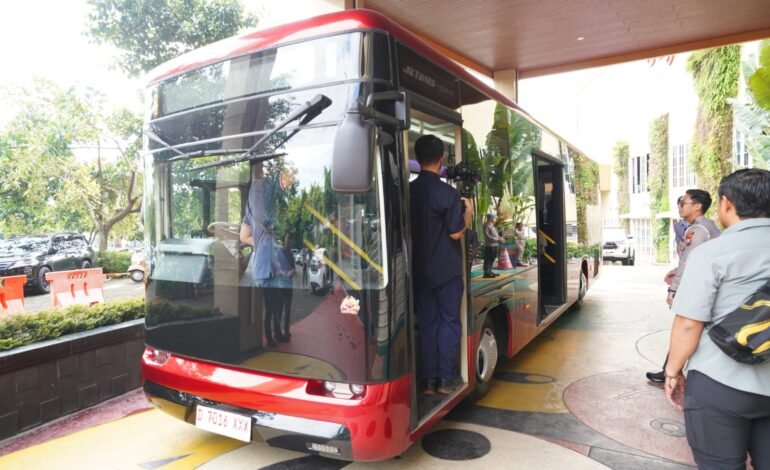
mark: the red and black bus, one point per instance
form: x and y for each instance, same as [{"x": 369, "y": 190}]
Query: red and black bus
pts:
[{"x": 323, "y": 115}]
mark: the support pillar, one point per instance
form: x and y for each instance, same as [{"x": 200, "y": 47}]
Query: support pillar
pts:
[{"x": 507, "y": 83}]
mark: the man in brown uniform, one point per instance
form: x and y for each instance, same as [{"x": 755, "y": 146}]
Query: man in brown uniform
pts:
[{"x": 692, "y": 205}]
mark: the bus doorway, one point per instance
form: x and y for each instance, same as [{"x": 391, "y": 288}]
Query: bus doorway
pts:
[
  {"x": 444, "y": 124},
  {"x": 550, "y": 235}
]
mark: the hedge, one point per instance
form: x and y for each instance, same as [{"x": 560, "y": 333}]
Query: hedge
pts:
[
  {"x": 23, "y": 329},
  {"x": 114, "y": 261}
]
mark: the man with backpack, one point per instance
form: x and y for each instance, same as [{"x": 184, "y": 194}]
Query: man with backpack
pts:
[{"x": 726, "y": 403}]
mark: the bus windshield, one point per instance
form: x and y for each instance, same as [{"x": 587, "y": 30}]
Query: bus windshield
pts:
[{"x": 260, "y": 264}]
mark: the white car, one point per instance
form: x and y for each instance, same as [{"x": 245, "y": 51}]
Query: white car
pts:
[{"x": 616, "y": 246}]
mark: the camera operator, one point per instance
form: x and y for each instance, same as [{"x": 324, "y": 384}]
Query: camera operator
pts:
[{"x": 439, "y": 218}]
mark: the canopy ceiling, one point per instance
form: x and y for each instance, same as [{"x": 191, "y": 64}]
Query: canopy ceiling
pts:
[{"x": 538, "y": 37}]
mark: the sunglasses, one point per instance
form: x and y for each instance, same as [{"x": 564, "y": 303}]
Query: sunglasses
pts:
[{"x": 682, "y": 203}]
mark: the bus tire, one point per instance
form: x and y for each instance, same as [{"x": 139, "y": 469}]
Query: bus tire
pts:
[
  {"x": 486, "y": 360},
  {"x": 582, "y": 289}
]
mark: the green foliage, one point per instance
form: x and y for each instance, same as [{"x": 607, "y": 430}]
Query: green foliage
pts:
[
  {"x": 658, "y": 177},
  {"x": 586, "y": 190},
  {"x": 620, "y": 154},
  {"x": 41, "y": 181},
  {"x": 658, "y": 184},
  {"x": 715, "y": 72},
  {"x": 759, "y": 81},
  {"x": 752, "y": 116},
  {"x": 114, "y": 261},
  {"x": 577, "y": 250},
  {"x": 21, "y": 330},
  {"x": 505, "y": 165},
  {"x": 661, "y": 239},
  {"x": 150, "y": 32},
  {"x": 44, "y": 187},
  {"x": 160, "y": 311}
]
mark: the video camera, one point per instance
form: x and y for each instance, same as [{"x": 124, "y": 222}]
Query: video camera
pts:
[{"x": 465, "y": 174}]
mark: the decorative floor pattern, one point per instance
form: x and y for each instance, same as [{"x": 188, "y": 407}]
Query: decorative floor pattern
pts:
[{"x": 574, "y": 398}]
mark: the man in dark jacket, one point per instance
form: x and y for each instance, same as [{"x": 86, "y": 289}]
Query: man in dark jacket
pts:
[{"x": 439, "y": 219}]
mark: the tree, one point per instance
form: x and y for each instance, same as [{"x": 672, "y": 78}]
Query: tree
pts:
[
  {"x": 150, "y": 32},
  {"x": 116, "y": 195},
  {"x": 37, "y": 166},
  {"x": 753, "y": 113},
  {"x": 45, "y": 187}
]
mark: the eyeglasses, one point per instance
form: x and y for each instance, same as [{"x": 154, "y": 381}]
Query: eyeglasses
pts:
[{"x": 682, "y": 203}]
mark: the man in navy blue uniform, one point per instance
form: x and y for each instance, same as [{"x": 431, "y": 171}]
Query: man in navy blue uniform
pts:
[{"x": 439, "y": 220}]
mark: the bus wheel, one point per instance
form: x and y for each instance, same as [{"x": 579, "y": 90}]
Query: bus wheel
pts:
[
  {"x": 581, "y": 291},
  {"x": 486, "y": 360}
]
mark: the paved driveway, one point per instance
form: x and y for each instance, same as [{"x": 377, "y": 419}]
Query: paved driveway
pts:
[{"x": 575, "y": 397}]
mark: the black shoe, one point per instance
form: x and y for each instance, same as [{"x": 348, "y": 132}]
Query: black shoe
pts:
[
  {"x": 445, "y": 386},
  {"x": 489, "y": 275},
  {"x": 429, "y": 387},
  {"x": 495, "y": 274},
  {"x": 657, "y": 377},
  {"x": 271, "y": 343},
  {"x": 282, "y": 338}
]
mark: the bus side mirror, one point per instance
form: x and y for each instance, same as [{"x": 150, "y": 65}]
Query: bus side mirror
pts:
[{"x": 353, "y": 154}]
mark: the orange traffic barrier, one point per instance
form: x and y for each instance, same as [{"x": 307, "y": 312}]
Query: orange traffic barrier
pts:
[
  {"x": 12, "y": 295},
  {"x": 78, "y": 287}
]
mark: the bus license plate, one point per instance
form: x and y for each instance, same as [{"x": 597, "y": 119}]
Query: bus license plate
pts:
[{"x": 223, "y": 422}]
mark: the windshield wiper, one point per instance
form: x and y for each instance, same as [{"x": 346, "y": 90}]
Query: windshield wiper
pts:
[{"x": 308, "y": 112}]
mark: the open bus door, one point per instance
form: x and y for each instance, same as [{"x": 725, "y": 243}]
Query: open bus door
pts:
[
  {"x": 430, "y": 118},
  {"x": 551, "y": 249}
]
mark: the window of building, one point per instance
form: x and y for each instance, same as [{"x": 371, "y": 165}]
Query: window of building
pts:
[
  {"x": 741, "y": 155},
  {"x": 640, "y": 167},
  {"x": 681, "y": 174}
]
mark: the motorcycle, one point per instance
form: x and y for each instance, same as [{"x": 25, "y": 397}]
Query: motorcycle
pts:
[
  {"x": 319, "y": 274},
  {"x": 137, "y": 267}
]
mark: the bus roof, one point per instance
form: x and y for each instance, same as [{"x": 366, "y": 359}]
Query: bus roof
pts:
[{"x": 325, "y": 25}]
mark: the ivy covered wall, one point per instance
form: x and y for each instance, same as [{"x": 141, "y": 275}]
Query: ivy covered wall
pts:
[
  {"x": 715, "y": 73},
  {"x": 586, "y": 190},
  {"x": 620, "y": 154},
  {"x": 657, "y": 183}
]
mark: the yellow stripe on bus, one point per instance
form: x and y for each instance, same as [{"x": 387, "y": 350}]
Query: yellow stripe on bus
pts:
[
  {"x": 549, "y": 257},
  {"x": 547, "y": 237},
  {"x": 336, "y": 268},
  {"x": 344, "y": 238}
]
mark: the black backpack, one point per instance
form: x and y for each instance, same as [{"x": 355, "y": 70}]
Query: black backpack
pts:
[{"x": 744, "y": 334}]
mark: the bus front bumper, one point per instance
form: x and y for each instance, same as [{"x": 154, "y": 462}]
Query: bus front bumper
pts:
[{"x": 277, "y": 430}]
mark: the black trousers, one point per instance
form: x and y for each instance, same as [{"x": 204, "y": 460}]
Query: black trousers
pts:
[
  {"x": 724, "y": 424},
  {"x": 490, "y": 253}
]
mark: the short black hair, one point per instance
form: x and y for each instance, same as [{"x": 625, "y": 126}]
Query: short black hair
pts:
[
  {"x": 749, "y": 191},
  {"x": 428, "y": 149},
  {"x": 699, "y": 196}
]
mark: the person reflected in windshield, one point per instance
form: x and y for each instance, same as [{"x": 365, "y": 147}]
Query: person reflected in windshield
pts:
[
  {"x": 266, "y": 194},
  {"x": 283, "y": 287}
]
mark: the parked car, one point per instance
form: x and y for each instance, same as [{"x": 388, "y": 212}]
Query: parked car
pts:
[
  {"x": 616, "y": 246},
  {"x": 36, "y": 255}
]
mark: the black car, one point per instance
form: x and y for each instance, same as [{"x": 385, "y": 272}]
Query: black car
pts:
[{"x": 35, "y": 255}]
